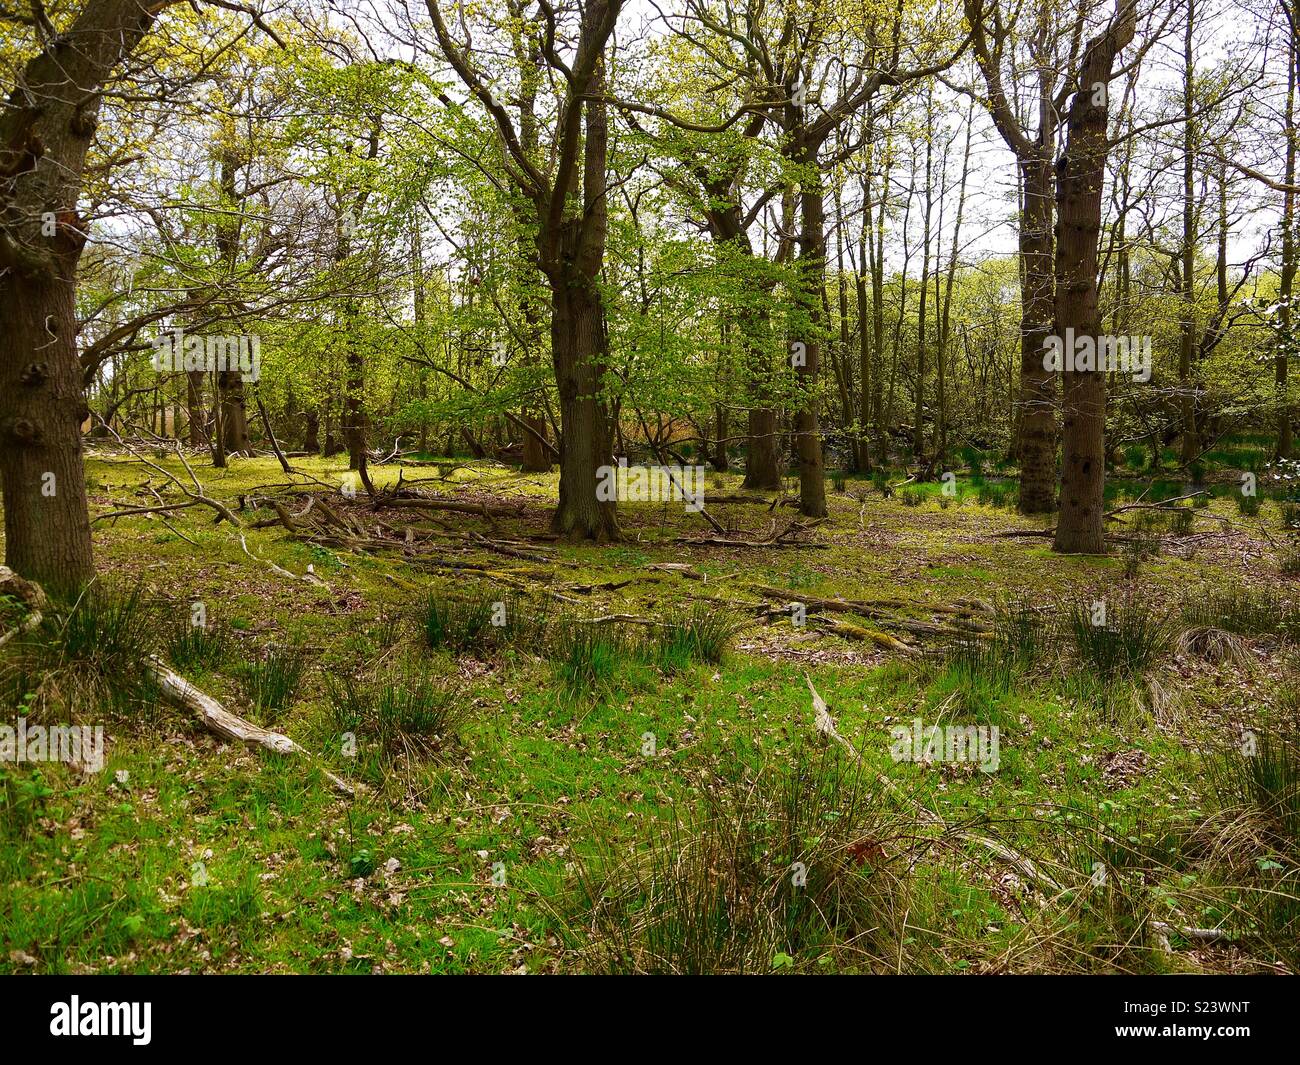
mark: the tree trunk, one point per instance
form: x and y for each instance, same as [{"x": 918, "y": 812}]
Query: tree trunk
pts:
[
  {"x": 1081, "y": 175},
  {"x": 194, "y": 406},
  {"x": 1036, "y": 416},
  {"x": 918, "y": 430},
  {"x": 1187, "y": 318},
  {"x": 577, "y": 344},
  {"x": 536, "y": 458},
  {"x": 807, "y": 431},
  {"x": 762, "y": 456},
  {"x": 354, "y": 417},
  {"x": 1289, "y": 256},
  {"x": 46, "y": 127},
  {"x": 311, "y": 441},
  {"x": 234, "y": 412},
  {"x": 47, "y": 527}
]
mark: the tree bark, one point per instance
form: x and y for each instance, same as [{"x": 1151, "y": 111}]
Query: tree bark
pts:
[
  {"x": 234, "y": 412},
  {"x": 47, "y": 526},
  {"x": 812, "y": 272},
  {"x": 194, "y": 406},
  {"x": 577, "y": 341},
  {"x": 1187, "y": 272},
  {"x": 1037, "y": 403},
  {"x": 46, "y": 128},
  {"x": 1081, "y": 173},
  {"x": 311, "y": 438},
  {"x": 1289, "y": 261}
]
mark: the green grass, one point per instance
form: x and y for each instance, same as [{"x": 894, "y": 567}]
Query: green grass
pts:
[
  {"x": 783, "y": 867},
  {"x": 1244, "y": 610},
  {"x": 404, "y": 712},
  {"x": 271, "y": 681},
  {"x": 88, "y": 659},
  {"x": 1124, "y": 643},
  {"x": 456, "y": 625},
  {"x": 477, "y": 754}
]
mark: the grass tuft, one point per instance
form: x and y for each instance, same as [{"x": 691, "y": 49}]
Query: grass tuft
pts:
[
  {"x": 787, "y": 868},
  {"x": 272, "y": 681}
]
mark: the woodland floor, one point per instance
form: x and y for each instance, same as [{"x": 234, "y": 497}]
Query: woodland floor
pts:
[{"x": 299, "y": 878}]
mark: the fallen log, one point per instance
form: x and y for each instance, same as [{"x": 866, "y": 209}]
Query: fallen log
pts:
[
  {"x": 484, "y": 510},
  {"x": 860, "y": 633},
  {"x": 779, "y": 501},
  {"x": 772, "y": 539},
  {"x": 29, "y": 594},
  {"x": 873, "y": 607},
  {"x": 684, "y": 568},
  {"x": 216, "y": 718}
]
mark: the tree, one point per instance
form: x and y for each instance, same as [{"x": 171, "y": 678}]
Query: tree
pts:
[
  {"x": 1006, "y": 50},
  {"x": 46, "y": 128},
  {"x": 1081, "y": 172},
  {"x": 569, "y": 197}
]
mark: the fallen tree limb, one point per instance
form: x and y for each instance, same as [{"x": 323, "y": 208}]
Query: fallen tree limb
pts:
[
  {"x": 218, "y": 719},
  {"x": 684, "y": 568},
  {"x": 310, "y": 578},
  {"x": 860, "y": 633},
  {"x": 1166, "y": 504},
  {"x": 29, "y": 594},
  {"x": 779, "y": 501},
  {"x": 773, "y": 538},
  {"x": 165, "y": 508},
  {"x": 484, "y": 510},
  {"x": 825, "y": 725},
  {"x": 966, "y": 608}
]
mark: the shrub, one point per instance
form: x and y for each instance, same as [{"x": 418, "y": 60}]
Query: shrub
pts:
[
  {"x": 1256, "y": 786},
  {"x": 1023, "y": 630},
  {"x": 589, "y": 659},
  {"x": 1245, "y": 610},
  {"x": 1145, "y": 539},
  {"x": 455, "y": 625},
  {"x": 1288, "y": 562},
  {"x": 191, "y": 646},
  {"x": 88, "y": 658},
  {"x": 23, "y": 794},
  {"x": 993, "y": 495},
  {"x": 1260, "y": 778}
]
